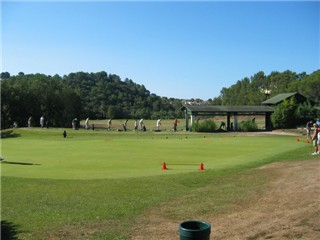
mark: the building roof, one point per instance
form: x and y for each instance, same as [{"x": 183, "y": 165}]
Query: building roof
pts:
[
  {"x": 209, "y": 109},
  {"x": 280, "y": 97}
]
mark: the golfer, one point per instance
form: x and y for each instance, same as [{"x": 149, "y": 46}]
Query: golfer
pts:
[
  {"x": 159, "y": 124},
  {"x": 308, "y": 128},
  {"x": 175, "y": 124},
  {"x": 222, "y": 125},
  {"x": 74, "y": 124},
  {"x": 42, "y": 121},
  {"x": 30, "y": 122},
  {"x": 125, "y": 125},
  {"x": 109, "y": 123},
  {"x": 316, "y": 139},
  {"x": 136, "y": 125},
  {"x": 87, "y": 123},
  {"x": 141, "y": 123}
]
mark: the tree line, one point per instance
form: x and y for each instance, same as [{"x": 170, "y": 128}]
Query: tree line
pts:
[
  {"x": 99, "y": 95},
  {"x": 78, "y": 95}
]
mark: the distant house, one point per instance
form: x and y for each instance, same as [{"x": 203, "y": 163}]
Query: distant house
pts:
[{"x": 274, "y": 101}]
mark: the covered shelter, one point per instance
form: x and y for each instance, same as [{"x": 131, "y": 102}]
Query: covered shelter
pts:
[
  {"x": 194, "y": 111},
  {"x": 274, "y": 101}
]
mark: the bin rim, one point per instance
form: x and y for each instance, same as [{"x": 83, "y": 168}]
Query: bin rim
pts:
[{"x": 208, "y": 226}]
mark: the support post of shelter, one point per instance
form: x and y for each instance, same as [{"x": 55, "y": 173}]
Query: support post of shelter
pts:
[
  {"x": 228, "y": 122},
  {"x": 192, "y": 120},
  {"x": 235, "y": 126},
  {"x": 187, "y": 121},
  {"x": 268, "y": 123}
]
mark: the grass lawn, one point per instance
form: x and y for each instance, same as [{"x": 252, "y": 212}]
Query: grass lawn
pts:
[{"x": 96, "y": 184}]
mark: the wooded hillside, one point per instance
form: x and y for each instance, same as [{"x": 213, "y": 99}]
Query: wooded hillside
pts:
[{"x": 252, "y": 90}]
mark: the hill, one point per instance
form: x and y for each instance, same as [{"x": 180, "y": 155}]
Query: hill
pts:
[{"x": 255, "y": 89}]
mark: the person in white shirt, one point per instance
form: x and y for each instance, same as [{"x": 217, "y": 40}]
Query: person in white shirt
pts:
[
  {"x": 42, "y": 121},
  {"x": 141, "y": 123},
  {"x": 159, "y": 124},
  {"x": 87, "y": 123},
  {"x": 109, "y": 123}
]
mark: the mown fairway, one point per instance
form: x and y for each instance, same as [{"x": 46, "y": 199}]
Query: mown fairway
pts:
[{"x": 95, "y": 184}]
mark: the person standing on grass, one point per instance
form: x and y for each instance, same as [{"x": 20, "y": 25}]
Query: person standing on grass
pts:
[
  {"x": 109, "y": 123},
  {"x": 141, "y": 123},
  {"x": 308, "y": 128},
  {"x": 30, "y": 122},
  {"x": 42, "y": 121},
  {"x": 74, "y": 123},
  {"x": 125, "y": 125},
  {"x": 175, "y": 124},
  {"x": 159, "y": 124},
  {"x": 87, "y": 123},
  {"x": 136, "y": 125},
  {"x": 316, "y": 139}
]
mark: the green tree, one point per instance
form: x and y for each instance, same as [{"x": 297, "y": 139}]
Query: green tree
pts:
[
  {"x": 4, "y": 75},
  {"x": 305, "y": 112},
  {"x": 285, "y": 115},
  {"x": 310, "y": 86},
  {"x": 36, "y": 95}
]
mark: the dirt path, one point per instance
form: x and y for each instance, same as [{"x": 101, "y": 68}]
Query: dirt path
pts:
[{"x": 289, "y": 209}]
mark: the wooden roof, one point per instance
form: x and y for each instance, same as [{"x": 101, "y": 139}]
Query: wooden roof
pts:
[
  {"x": 280, "y": 97},
  {"x": 209, "y": 109}
]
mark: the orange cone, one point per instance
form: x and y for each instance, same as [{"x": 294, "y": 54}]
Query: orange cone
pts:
[
  {"x": 307, "y": 141},
  {"x": 164, "y": 166},
  {"x": 297, "y": 139},
  {"x": 201, "y": 167}
]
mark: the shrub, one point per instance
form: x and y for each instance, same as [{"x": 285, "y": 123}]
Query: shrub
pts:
[
  {"x": 205, "y": 126},
  {"x": 248, "y": 126}
]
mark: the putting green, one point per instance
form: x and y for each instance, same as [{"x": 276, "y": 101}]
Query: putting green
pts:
[{"x": 88, "y": 155}]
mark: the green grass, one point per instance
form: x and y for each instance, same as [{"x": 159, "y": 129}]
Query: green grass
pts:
[
  {"x": 96, "y": 185},
  {"x": 88, "y": 155}
]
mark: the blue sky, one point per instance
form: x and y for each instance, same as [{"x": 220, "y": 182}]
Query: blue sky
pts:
[{"x": 176, "y": 49}]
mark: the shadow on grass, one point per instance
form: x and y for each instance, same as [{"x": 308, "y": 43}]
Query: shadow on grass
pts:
[
  {"x": 19, "y": 163},
  {"x": 9, "y": 134},
  {"x": 9, "y": 230}
]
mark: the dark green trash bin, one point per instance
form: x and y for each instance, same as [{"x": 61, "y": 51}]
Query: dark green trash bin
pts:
[{"x": 194, "y": 230}]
